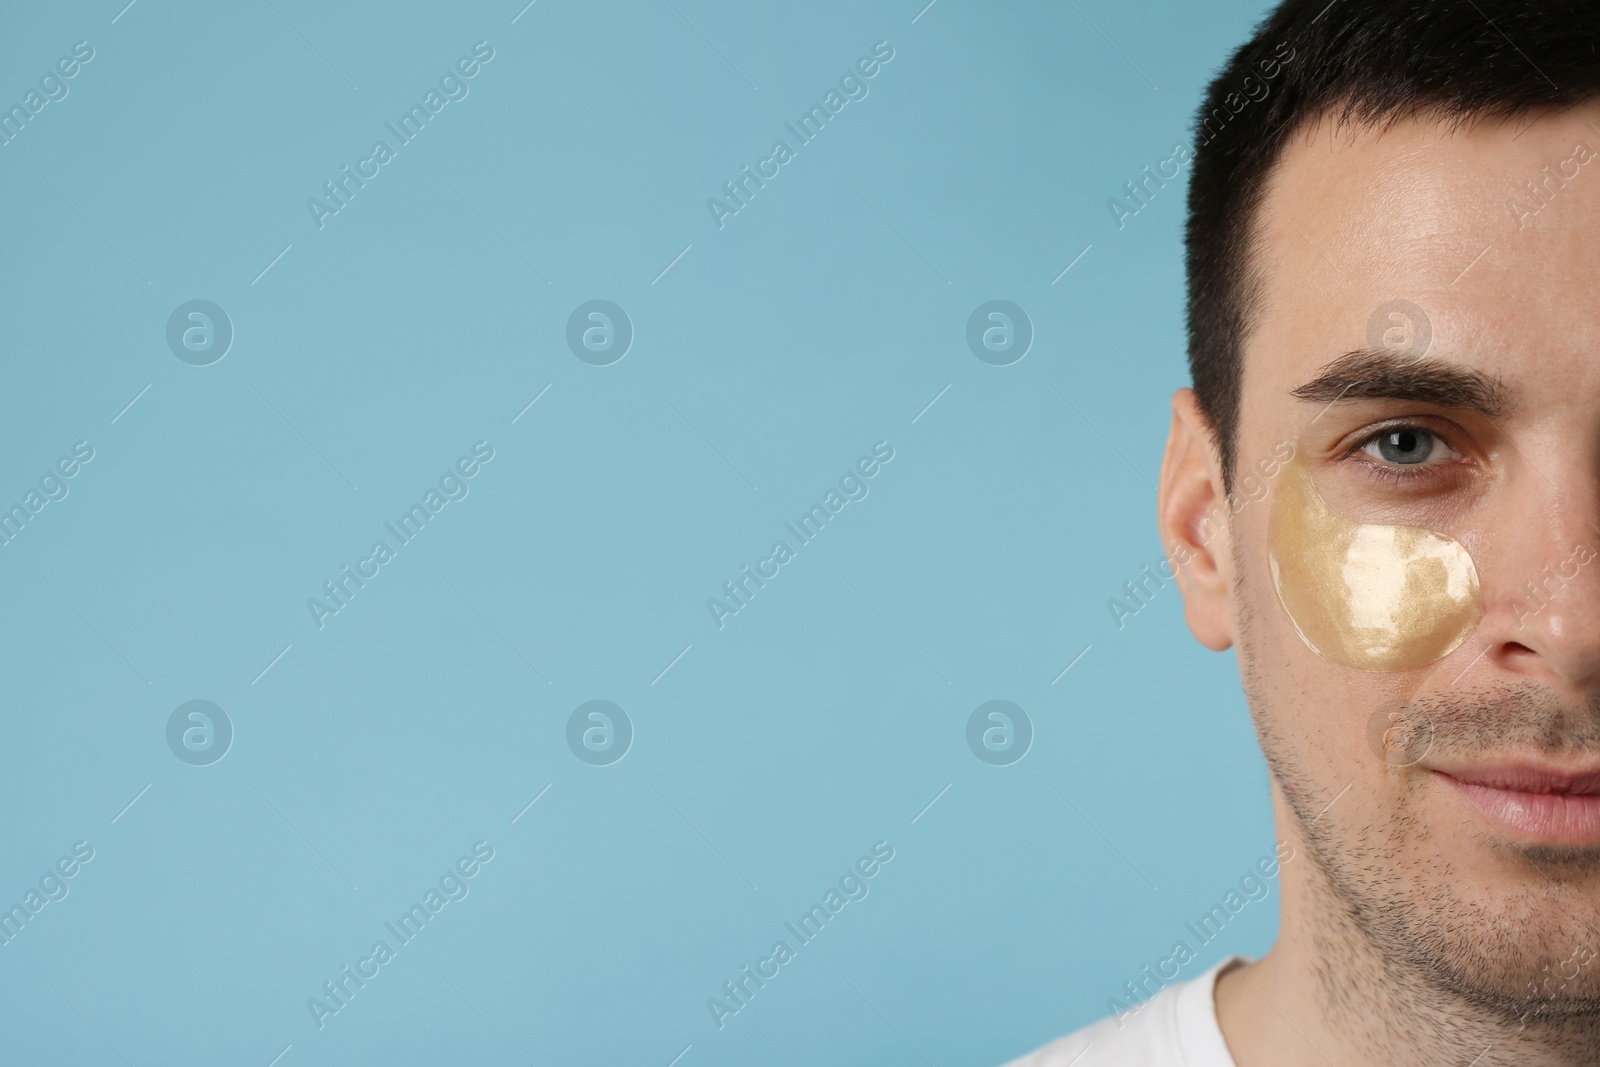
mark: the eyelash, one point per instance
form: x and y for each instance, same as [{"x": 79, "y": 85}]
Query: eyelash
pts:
[{"x": 1392, "y": 474}]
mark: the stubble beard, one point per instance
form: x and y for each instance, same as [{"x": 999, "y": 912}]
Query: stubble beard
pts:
[{"x": 1393, "y": 933}]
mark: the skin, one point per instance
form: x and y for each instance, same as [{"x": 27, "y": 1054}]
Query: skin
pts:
[{"x": 1413, "y": 929}]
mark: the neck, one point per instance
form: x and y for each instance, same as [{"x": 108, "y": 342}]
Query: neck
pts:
[{"x": 1329, "y": 994}]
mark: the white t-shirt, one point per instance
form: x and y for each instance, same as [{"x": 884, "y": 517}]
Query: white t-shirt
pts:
[{"x": 1175, "y": 1028}]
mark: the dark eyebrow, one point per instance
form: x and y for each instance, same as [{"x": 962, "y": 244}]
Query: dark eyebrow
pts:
[{"x": 1379, "y": 374}]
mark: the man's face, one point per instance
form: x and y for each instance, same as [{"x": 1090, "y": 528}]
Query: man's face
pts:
[{"x": 1491, "y": 436}]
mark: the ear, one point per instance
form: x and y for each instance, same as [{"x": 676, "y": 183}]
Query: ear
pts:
[{"x": 1192, "y": 515}]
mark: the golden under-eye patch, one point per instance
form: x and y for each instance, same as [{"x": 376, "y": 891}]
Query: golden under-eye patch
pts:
[{"x": 1372, "y": 598}]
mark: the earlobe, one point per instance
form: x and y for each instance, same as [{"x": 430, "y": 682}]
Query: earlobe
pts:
[{"x": 1192, "y": 516}]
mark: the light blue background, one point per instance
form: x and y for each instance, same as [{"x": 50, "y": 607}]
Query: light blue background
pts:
[{"x": 824, "y": 717}]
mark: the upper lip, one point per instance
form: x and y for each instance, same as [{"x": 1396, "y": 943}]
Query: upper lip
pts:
[{"x": 1526, "y": 777}]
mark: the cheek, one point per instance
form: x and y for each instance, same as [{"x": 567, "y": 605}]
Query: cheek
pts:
[
  {"x": 1339, "y": 623},
  {"x": 1311, "y": 714}
]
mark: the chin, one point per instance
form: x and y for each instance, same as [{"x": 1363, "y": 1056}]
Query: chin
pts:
[{"x": 1501, "y": 923}]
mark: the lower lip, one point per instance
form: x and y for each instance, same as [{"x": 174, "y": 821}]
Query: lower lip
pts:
[{"x": 1562, "y": 818}]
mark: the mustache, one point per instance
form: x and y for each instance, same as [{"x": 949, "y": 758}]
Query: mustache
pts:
[{"x": 1521, "y": 716}]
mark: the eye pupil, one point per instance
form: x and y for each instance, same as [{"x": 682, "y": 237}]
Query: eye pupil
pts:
[{"x": 1405, "y": 446}]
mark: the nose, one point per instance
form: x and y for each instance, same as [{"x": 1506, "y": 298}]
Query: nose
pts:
[{"x": 1541, "y": 586}]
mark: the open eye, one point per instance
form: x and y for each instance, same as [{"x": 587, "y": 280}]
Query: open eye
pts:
[{"x": 1404, "y": 446}]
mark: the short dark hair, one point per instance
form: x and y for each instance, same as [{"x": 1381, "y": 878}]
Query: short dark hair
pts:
[{"x": 1363, "y": 62}]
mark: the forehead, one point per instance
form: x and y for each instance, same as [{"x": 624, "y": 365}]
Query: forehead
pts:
[{"x": 1491, "y": 232}]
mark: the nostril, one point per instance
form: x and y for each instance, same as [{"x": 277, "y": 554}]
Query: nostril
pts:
[{"x": 1517, "y": 656}]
